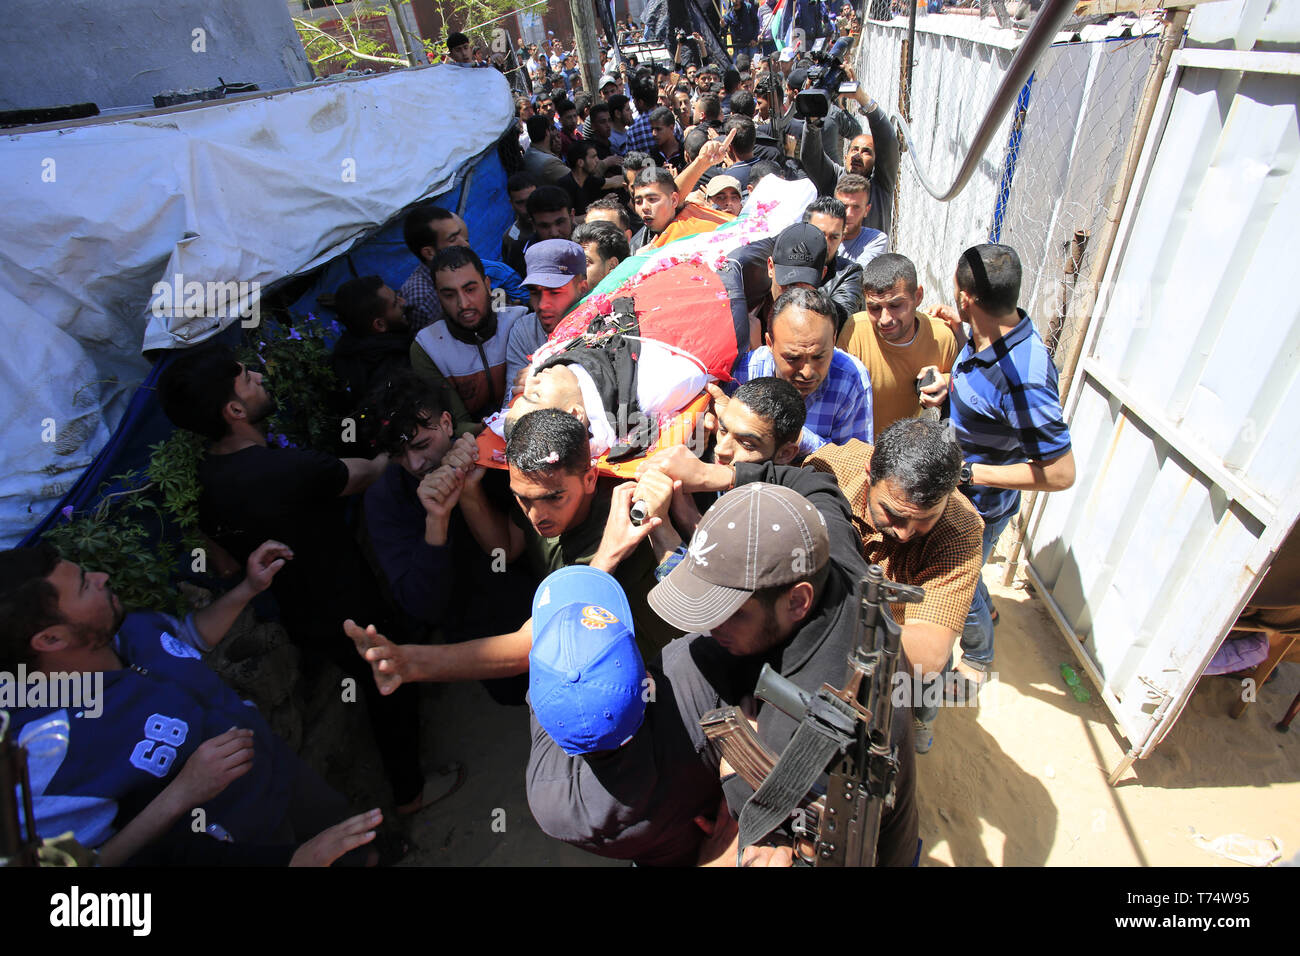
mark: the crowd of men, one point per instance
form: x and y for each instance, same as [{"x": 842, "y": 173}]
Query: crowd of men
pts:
[{"x": 853, "y": 429}]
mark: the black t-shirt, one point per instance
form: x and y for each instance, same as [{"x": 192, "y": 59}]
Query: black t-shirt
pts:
[
  {"x": 584, "y": 195},
  {"x": 638, "y": 802},
  {"x": 676, "y": 162},
  {"x": 292, "y": 495}
]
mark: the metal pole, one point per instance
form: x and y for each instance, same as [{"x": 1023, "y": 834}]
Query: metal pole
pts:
[
  {"x": 1040, "y": 36},
  {"x": 584, "y": 33}
]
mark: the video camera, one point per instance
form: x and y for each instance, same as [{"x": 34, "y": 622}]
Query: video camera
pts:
[{"x": 827, "y": 77}]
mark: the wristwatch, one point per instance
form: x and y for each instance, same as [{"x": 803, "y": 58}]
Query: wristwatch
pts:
[{"x": 966, "y": 475}]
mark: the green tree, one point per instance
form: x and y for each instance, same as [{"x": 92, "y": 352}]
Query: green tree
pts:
[{"x": 487, "y": 22}]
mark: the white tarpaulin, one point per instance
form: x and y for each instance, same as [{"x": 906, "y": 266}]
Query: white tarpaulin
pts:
[{"x": 247, "y": 191}]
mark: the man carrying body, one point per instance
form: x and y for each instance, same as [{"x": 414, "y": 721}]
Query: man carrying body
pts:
[
  {"x": 427, "y": 231},
  {"x": 658, "y": 202},
  {"x": 420, "y": 543},
  {"x": 801, "y": 349},
  {"x": 252, "y": 492},
  {"x": 557, "y": 281},
  {"x": 896, "y": 343},
  {"x": 761, "y": 421},
  {"x": 805, "y": 253},
  {"x": 469, "y": 349}
]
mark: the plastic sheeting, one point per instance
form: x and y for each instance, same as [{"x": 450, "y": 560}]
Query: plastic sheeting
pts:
[{"x": 250, "y": 191}]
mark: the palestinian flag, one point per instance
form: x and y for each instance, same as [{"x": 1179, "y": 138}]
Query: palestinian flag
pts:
[{"x": 783, "y": 17}]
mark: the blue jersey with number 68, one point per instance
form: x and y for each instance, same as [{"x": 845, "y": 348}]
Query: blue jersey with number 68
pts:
[{"x": 91, "y": 774}]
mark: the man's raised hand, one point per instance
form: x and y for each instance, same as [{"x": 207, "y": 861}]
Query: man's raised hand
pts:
[
  {"x": 388, "y": 661},
  {"x": 932, "y": 395},
  {"x": 265, "y": 563},
  {"x": 621, "y": 536},
  {"x": 462, "y": 455},
  {"x": 439, "y": 490},
  {"x": 715, "y": 151},
  {"x": 678, "y": 462}
]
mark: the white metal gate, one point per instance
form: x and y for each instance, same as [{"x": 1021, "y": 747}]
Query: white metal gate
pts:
[{"x": 1184, "y": 408}]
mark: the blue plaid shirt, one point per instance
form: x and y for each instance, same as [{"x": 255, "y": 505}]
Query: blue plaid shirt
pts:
[
  {"x": 1006, "y": 409},
  {"x": 640, "y": 138},
  {"x": 839, "y": 410}
]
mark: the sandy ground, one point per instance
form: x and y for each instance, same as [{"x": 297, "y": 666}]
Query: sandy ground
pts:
[{"x": 1019, "y": 780}]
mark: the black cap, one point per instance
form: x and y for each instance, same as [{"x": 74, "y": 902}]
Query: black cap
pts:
[
  {"x": 799, "y": 255},
  {"x": 797, "y": 79}
]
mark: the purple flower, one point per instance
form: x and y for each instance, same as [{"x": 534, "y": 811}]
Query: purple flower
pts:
[
  {"x": 295, "y": 335},
  {"x": 280, "y": 440},
  {"x": 66, "y": 512}
]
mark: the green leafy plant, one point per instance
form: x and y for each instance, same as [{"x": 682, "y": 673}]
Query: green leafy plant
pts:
[
  {"x": 301, "y": 380},
  {"x": 126, "y": 533}
]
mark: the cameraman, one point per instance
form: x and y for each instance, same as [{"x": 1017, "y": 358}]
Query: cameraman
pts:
[{"x": 873, "y": 154}]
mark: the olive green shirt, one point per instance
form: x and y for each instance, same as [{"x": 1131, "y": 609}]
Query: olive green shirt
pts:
[{"x": 636, "y": 573}]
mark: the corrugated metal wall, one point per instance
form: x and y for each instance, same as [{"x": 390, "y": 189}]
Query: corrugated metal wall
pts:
[{"x": 1183, "y": 410}]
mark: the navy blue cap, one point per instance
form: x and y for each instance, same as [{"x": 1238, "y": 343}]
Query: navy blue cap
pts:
[{"x": 553, "y": 263}]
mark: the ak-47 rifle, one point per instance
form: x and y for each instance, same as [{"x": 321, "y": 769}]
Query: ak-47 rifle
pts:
[{"x": 844, "y": 733}]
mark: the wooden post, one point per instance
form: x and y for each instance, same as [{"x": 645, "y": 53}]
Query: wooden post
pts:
[{"x": 584, "y": 33}]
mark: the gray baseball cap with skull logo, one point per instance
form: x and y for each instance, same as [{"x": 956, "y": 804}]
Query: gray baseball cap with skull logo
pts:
[{"x": 755, "y": 536}]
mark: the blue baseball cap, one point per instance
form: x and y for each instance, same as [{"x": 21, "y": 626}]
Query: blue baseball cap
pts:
[
  {"x": 585, "y": 674},
  {"x": 554, "y": 263}
]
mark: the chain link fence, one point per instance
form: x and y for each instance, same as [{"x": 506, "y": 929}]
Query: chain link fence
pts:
[{"x": 1045, "y": 184}]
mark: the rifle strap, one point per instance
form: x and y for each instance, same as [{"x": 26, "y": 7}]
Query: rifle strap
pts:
[{"x": 805, "y": 758}]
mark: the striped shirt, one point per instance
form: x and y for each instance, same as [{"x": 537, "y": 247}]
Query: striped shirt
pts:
[
  {"x": 945, "y": 560},
  {"x": 840, "y": 409},
  {"x": 1006, "y": 410}
]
